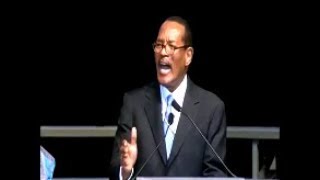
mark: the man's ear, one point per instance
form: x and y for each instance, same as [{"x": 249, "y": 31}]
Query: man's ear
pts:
[{"x": 189, "y": 55}]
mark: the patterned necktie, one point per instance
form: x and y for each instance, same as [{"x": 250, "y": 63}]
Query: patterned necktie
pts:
[{"x": 169, "y": 136}]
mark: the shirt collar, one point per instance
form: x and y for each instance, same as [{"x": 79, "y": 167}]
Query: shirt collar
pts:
[{"x": 178, "y": 94}]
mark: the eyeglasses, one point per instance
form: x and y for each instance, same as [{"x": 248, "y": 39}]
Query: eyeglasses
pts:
[{"x": 157, "y": 47}]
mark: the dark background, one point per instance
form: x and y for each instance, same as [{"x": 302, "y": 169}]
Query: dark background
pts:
[{"x": 90, "y": 56}]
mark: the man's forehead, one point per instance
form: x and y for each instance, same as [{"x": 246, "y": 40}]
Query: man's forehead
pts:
[
  {"x": 172, "y": 26},
  {"x": 171, "y": 32}
]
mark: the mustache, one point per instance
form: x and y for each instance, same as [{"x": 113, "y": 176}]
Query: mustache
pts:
[{"x": 164, "y": 61}]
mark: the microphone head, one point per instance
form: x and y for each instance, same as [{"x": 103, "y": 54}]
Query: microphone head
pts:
[
  {"x": 170, "y": 118},
  {"x": 176, "y": 105}
]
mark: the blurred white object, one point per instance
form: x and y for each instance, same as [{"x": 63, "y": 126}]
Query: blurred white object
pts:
[{"x": 47, "y": 164}]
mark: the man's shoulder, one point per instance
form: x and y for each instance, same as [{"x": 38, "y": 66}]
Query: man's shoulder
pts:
[
  {"x": 207, "y": 95},
  {"x": 141, "y": 91}
]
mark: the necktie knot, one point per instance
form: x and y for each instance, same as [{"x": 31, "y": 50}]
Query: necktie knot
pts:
[{"x": 169, "y": 100}]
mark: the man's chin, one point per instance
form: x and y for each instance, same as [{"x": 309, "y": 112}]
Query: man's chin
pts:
[{"x": 165, "y": 81}]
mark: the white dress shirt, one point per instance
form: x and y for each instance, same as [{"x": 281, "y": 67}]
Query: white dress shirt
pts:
[{"x": 178, "y": 95}]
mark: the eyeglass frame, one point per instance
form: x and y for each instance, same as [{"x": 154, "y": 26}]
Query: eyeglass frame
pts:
[{"x": 154, "y": 45}]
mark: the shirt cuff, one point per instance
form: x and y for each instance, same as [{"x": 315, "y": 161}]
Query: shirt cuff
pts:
[{"x": 120, "y": 173}]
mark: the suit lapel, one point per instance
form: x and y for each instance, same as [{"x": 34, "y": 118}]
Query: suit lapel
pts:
[
  {"x": 153, "y": 111},
  {"x": 190, "y": 107}
]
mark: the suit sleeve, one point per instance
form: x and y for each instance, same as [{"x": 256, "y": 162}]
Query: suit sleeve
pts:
[
  {"x": 217, "y": 138},
  {"x": 123, "y": 131}
]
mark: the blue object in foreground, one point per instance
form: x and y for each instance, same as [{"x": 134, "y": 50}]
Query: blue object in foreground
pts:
[{"x": 47, "y": 164}]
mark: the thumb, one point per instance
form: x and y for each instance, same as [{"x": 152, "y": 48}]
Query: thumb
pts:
[{"x": 134, "y": 136}]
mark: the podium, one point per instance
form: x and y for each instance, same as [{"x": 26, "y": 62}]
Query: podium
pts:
[
  {"x": 186, "y": 178},
  {"x": 194, "y": 178},
  {"x": 164, "y": 178}
]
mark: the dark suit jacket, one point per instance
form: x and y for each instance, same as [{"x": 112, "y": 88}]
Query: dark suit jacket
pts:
[{"x": 190, "y": 156}]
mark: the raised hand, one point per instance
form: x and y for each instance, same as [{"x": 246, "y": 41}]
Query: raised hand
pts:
[{"x": 128, "y": 154}]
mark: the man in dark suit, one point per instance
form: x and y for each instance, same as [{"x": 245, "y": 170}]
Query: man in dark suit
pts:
[{"x": 144, "y": 122}]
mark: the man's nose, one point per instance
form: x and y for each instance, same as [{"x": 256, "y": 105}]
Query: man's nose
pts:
[{"x": 163, "y": 51}]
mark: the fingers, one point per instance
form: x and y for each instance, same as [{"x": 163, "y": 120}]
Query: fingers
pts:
[
  {"x": 128, "y": 150},
  {"x": 124, "y": 147},
  {"x": 134, "y": 136}
]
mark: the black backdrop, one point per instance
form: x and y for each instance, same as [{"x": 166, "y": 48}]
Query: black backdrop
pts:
[{"x": 90, "y": 56}]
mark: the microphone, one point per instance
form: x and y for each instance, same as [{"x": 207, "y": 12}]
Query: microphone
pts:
[
  {"x": 170, "y": 121},
  {"x": 179, "y": 109}
]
